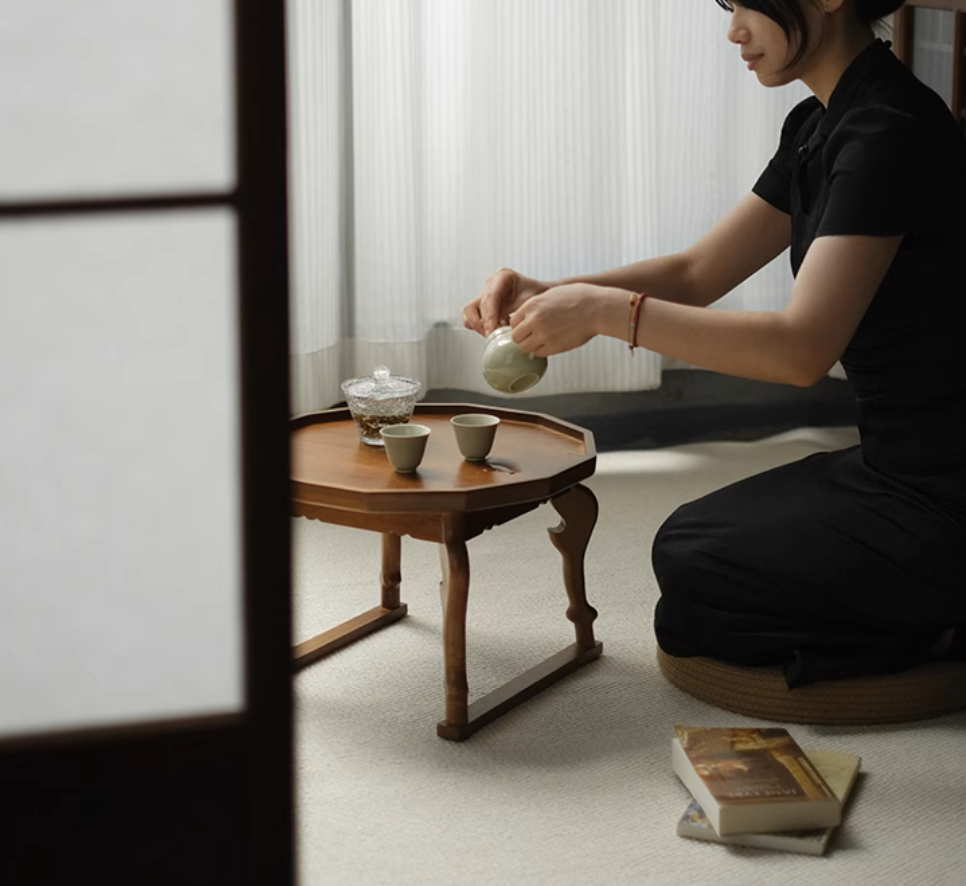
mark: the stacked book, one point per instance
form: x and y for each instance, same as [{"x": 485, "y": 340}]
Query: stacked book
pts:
[{"x": 757, "y": 787}]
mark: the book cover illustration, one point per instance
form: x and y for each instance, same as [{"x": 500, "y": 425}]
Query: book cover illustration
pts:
[
  {"x": 840, "y": 772},
  {"x": 752, "y": 765}
]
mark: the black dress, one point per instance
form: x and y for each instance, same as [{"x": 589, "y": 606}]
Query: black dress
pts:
[{"x": 854, "y": 561}]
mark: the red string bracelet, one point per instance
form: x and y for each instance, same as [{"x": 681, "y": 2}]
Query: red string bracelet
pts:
[{"x": 637, "y": 299}]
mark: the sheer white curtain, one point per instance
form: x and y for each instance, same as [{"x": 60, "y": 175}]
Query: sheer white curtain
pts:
[{"x": 435, "y": 140}]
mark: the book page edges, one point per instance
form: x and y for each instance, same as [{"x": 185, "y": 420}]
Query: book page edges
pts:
[
  {"x": 693, "y": 782},
  {"x": 811, "y": 842},
  {"x": 840, "y": 771},
  {"x": 774, "y": 814}
]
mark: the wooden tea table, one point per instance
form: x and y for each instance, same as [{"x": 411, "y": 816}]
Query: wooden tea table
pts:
[{"x": 535, "y": 459}]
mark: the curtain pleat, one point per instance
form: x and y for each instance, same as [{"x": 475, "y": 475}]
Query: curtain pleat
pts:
[{"x": 434, "y": 141}]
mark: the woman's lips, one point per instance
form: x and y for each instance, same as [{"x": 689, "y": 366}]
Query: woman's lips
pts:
[{"x": 752, "y": 60}]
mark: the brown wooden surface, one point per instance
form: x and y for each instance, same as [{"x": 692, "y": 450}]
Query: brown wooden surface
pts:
[
  {"x": 391, "y": 574},
  {"x": 904, "y": 31},
  {"x": 427, "y": 527},
  {"x": 534, "y": 457},
  {"x": 506, "y": 697},
  {"x": 578, "y": 509},
  {"x": 456, "y": 582},
  {"x": 348, "y": 632},
  {"x": 902, "y": 35}
]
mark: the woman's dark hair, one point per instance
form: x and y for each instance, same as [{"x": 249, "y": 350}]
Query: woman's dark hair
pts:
[{"x": 788, "y": 15}]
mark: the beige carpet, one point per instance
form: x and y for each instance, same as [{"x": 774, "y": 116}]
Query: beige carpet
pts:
[{"x": 575, "y": 786}]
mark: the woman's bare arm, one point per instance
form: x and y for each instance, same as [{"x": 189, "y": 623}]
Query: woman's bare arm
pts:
[
  {"x": 798, "y": 345},
  {"x": 751, "y": 235}
]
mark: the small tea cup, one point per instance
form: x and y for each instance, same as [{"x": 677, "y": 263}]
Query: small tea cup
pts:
[
  {"x": 405, "y": 445},
  {"x": 474, "y": 434}
]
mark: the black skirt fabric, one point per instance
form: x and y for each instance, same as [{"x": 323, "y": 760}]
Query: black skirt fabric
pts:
[
  {"x": 851, "y": 562},
  {"x": 825, "y": 566}
]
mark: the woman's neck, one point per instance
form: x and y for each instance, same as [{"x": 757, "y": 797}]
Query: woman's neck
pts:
[{"x": 842, "y": 41}]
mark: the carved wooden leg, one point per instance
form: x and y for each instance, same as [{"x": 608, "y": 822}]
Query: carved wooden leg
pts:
[
  {"x": 390, "y": 610},
  {"x": 391, "y": 575},
  {"x": 444, "y": 581},
  {"x": 455, "y": 587},
  {"x": 578, "y": 509}
]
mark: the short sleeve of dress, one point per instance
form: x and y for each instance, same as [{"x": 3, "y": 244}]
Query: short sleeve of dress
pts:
[
  {"x": 887, "y": 174},
  {"x": 775, "y": 183}
]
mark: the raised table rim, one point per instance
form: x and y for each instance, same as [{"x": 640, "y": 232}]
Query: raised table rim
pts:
[{"x": 307, "y": 496}]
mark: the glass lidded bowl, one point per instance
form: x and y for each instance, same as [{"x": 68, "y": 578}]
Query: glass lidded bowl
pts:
[{"x": 378, "y": 400}]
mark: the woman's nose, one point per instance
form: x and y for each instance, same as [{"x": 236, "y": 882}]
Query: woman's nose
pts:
[{"x": 737, "y": 32}]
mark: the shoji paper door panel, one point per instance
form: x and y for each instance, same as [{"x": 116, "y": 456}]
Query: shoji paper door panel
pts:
[
  {"x": 145, "y": 562},
  {"x": 119, "y": 473},
  {"x": 120, "y": 477},
  {"x": 115, "y": 96}
]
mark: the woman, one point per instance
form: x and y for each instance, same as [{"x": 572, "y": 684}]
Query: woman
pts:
[{"x": 848, "y": 562}]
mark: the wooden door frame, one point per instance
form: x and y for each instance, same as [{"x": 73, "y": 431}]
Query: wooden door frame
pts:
[
  {"x": 904, "y": 35},
  {"x": 202, "y": 800}
]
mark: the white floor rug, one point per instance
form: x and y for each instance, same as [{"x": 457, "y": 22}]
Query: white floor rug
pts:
[{"x": 575, "y": 786}]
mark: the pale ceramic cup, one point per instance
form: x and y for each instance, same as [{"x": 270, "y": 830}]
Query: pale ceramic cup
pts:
[
  {"x": 405, "y": 445},
  {"x": 474, "y": 434}
]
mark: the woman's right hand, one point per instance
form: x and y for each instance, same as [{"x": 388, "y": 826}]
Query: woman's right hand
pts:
[{"x": 504, "y": 292}]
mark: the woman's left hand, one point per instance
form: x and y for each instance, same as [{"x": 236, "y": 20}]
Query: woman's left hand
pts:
[{"x": 560, "y": 319}]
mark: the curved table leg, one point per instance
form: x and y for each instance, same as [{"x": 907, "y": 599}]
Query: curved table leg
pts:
[
  {"x": 390, "y": 610},
  {"x": 391, "y": 575},
  {"x": 578, "y": 510},
  {"x": 454, "y": 590}
]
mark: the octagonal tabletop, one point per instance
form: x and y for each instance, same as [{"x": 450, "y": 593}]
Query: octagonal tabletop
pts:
[{"x": 534, "y": 457}]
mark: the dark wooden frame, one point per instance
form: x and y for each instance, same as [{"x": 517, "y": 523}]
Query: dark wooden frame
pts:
[
  {"x": 904, "y": 27},
  {"x": 203, "y": 800}
]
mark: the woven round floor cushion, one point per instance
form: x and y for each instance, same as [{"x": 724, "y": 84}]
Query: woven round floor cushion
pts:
[{"x": 927, "y": 690}]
